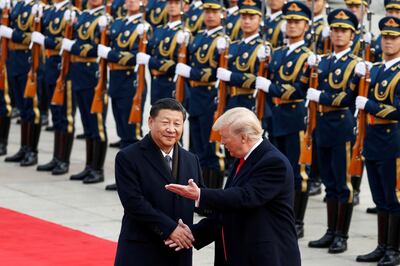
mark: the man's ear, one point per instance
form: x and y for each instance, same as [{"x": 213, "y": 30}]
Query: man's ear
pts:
[{"x": 150, "y": 122}]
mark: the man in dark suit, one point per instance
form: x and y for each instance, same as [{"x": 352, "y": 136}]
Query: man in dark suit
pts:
[
  {"x": 151, "y": 213},
  {"x": 253, "y": 223}
]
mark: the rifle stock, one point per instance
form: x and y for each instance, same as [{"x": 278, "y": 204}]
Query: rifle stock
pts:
[
  {"x": 180, "y": 82},
  {"x": 4, "y": 49},
  {"x": 260, "y": 99},
  {"x": 31, "y": 83}
]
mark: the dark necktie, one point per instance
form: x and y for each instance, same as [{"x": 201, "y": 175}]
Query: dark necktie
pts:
[{"x": 168, "y": 160}]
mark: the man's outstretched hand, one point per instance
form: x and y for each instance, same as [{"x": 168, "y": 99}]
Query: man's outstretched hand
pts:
[
  {"x": 180, "y": 238},
  {"x": 191, "y": 191}
]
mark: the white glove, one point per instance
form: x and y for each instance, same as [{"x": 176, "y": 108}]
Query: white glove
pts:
[
  {"x": 37, "y": 10},
  {"x": 313, "y": 95},
  {"x": 102, "y": 51},
  {"x": 4, "y": 3},
  {"x": 361, "y": 68},
  {"x": 37, "y": 37},
  {"x": 263, "y": 84},
  {"x": 103, "y": 21},
  {"x": 221, "y": 44},
  {"x": 183, "y": 70},
  {"x": 66, "y": 45},
  {"x": 182, "y": 36},
  {"x": 224, "y": 74},
  {"x": 361, "y": 101},
  {"x": 313, "y": 60},
  {"x": 283, "y": 27},
  {"x": 326, "y": 32},
  {"x": 141, "y": 28},
  {"x": 69, "y": 15},
  {"x": 142, "y": 59},
  {"x": 6, "y": 32},
  {"x": 368, "y": 38},
  {"x": 263, "y": 52}
]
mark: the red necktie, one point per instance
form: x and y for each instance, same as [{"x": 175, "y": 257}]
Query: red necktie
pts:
[{"x": 241, "y": 162}]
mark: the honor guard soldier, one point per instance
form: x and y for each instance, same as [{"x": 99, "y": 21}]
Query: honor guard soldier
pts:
[
  {"x": 393, "y": 10},
  {"x": 274, "y": 23},
  {"x": 287, "y": 85},
  {"x": 163, "y": 54},
  {"x": 157, "y": 13},
  {"x": 319, "y": 25},
  {"x": 381, "y": 148},
  {"x": 19, "y": 60},
  {"x": 54, "y": 24},
  {"x": 233, "y": 21},
  {"x": 5, "y": 100},
  {"x": 83, "y": 72},
  {"x": 194, "y": 17},
  {"x": 203, "y": 58},
  {"x": 356, "y": 7},
  {"x": 124, "y": 35},
  {"x": 118, "y": 9},
  {"x": 334, "y": 129}
]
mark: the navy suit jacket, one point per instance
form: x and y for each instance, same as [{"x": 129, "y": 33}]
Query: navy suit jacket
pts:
[
  {"x": 255, "y": 210},
  {"x": 151, "y": 212}
]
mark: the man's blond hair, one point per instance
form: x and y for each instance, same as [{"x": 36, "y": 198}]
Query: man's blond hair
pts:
[{"x": 240, "y": 120}]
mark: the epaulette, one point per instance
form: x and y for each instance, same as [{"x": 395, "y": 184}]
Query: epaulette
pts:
[
  {"x": 306, "y": 49},
  {"x": 235, "y": 42},
  {"x": 355, "y": 57},
  {"x": 201, "y": 31},
  {"x": 377, "y": 64}
]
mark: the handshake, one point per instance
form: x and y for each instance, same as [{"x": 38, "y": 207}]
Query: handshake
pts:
[{"x": 181, "y": 237}]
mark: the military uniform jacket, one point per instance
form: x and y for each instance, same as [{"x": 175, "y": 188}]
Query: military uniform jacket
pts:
[
  {"x": 203, "y": 58},
  {"x": 383, "y": 141},
  {"x": 233, "y": 26},
  {"x": 319, "y": 25},
  {"x": 157, "y": 12},
  {"x": 356, "y": 47},
  {"x": 377, "y": 51},
  {"x": 335, "y": 81},
  {"x": 273, "y": 30},
  {"x": 289, "y": 83},
  {"x": 124, "y": 43},
  {"x": 87, "y": 35},
  {"x": 194, "y": 18},
  {"x": 117, "y": 9}
]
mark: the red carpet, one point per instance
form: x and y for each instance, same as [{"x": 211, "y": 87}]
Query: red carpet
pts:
[{"x": 25, "y": 240}]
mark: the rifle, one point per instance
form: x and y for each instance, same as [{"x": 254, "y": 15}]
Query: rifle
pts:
[
  {"x": 306, "y": 146},
  {"x": 135, "y": 115},
  {"x": 78, "y": 4},
  {"x": 368, "y": 46},
  {"x": 5, "y": 20},
  {"x": 31, "y": 83},
  {"x": 182, "y": 58},
  {"x": 100, "y": 90},
  {"x": 222, "y": 87},
  {"x": 327, "y": 41},
  {"x": 58, "y": 94},
  {"x": 356, "y": 165}
]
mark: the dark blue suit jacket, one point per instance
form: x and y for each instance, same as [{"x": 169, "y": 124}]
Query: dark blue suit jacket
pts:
[
  {"x": 255, "y": 210},
  {"x": 150, "y": 211}
]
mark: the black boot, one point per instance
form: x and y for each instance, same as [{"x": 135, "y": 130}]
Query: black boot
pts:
[
  {"x": 216, "y": 179},
  {"x": 372, "y": 210},
  {"x": 66, "y": 141},
  {"x": 31, "y": 156},
  {"x": 392, "y": 255},
  {"x": 356, "y": 182},
  {"x": 96, "y": 174},
  {"x": 315, "y": 178},
  {"x": 379, "y": 251},
  {"x": 89, "y": 158},
  {"x": 24, "y": 142},
  {"x": 111, "y": 187},
  {"x": 55, "y": 160},
  {"x": 339, "y": 244},
  {"x": 300, "y": 205},
  {"x": 326, "y": 240},
  {"x": 116, "y": 144},
  {"x": 4, "y": 130}
]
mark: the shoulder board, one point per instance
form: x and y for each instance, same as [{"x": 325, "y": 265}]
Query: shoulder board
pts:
[
  {"x": 354, "y": 57},
  {"x": 236, "y": 42},
  {"x": 377, "y": 64},
  {"x": 201, "y": 31},
  {"x": 306, "y": 49}
]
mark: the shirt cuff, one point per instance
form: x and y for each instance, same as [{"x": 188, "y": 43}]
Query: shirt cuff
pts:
[{"x": 197, "y": 202}]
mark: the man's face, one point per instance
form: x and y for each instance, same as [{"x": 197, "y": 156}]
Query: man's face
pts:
[
  {"x": 357, "y": 10},
  {"x": 212, "y": 18},
  {"x": 234, "y": 143},
  {"x": 250, "y": 23},
  {"x": 233, "y": 3},
  {"x": 166, "y": 128},
  {"x": 318, "y": 6},
  {"x": 295, "y": 28},
  {"x": 134, "y": 5},
  {"x": 276, "y": 5},
  {"x": 393, "y": 12},
  {"x": 341, "y": 37},
  {"x": 95, "y": 3},
  {"x": 391, "y": 45},
  {"x": 174, "y": 8}
]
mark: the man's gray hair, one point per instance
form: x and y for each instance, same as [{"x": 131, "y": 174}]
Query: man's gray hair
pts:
[{"x": 240, "y": 120}]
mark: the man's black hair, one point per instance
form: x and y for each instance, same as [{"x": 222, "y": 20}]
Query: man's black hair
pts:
[{"x": 167, "y": 104}]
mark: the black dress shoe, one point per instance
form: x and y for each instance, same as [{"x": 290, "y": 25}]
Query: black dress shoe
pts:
[
  {"x": 80, "y": 176},
  {"x": 116, "y": 144},
  {"x": 324, "y": 242},
  {"x": 15, "y": 113},
  {"x": 95, "y": 176},
  {"x": 3, "y": 149},
  {"x": 44, "y": 119},
  {"x": 339, "y": 245},
  {"x": 80, "y": 136},
  {"x": 48, "y": 166},
  {"x": 49, "y": 128},
  {"x": 356, "y": 198},
  {"x": 391, "y": 258},
  {"x": 300, "y": 230},
  {"x": 372, "y": 210},
  {"x": 61, "y": 168},
  {"x": 373, "y": 256},
  {"x": 16, "y": 157},
  {"x": 315, "y": 189},
  {"x": 29, "y": 159},
  {"x": 111, "y": 187}
]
